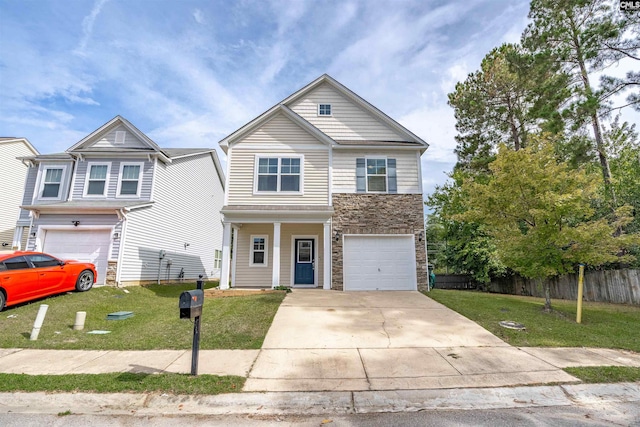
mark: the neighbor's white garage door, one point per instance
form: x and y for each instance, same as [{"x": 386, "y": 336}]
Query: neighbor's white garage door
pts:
[
  {"x": 379, "y": 263},
  {"x": 81, "y": 245}
]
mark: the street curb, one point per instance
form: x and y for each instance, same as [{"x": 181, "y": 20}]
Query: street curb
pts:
[{"x": 315, "y": 403}]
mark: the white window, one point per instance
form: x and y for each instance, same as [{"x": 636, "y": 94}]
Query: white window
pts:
[
  {"x": 52, "y": 178},
  {"x": 97, "y": 179},
  {"x": 129, "y": 181},
  {"x": 324, "y": 109},
  {"x": 377, "y": 175},
  {"x": 217, "y": 260},
  {"x": 259, "y": 251},
  {"x": 278, "y": 174}
]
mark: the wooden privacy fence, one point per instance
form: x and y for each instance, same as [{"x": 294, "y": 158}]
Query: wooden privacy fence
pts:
[
  {"x": 454, "y": 281},
  {"x": 615, "y": 286}
]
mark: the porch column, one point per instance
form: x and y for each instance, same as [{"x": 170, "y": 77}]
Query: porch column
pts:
[
  {"x": 276, "y": 255},
  {"x": 226, "y": 241},
  {"x": 17, "y": 239},
  {"x": 235, "y": 257},
  {"x": 326, "y": 256}
]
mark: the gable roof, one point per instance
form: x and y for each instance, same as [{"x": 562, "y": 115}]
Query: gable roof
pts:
[
  {"x": 25, "y": 141},
  {"x": 87, "y": 141},
  {"x": 265, "y": 117},
  {"x": 283, "y": 106}
]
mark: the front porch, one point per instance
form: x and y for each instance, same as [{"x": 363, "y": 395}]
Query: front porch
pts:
[{"x": 281, "y": 246}]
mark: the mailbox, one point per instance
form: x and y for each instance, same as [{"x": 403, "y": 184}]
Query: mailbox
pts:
[{"x": 191, "y": 304}]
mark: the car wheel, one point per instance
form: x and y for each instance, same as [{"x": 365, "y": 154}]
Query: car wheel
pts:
[
  {"x": 85, "y": 281},
  {"x": 3, "y": 300}
]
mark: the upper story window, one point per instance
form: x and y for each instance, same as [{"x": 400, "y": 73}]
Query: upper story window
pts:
[
  {"x": 52, "y": 179},
  {"x": 376, "y": 175},
  {"x": 129, "y": 182},
  {"x": 279, "y": 174},
  {"x": 258, "y": 251},
  {"x": 97, "y": 179},
  {"x": 324, "y": 109}
]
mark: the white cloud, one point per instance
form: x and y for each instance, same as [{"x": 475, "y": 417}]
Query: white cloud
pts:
[
  {"x": 198, "y": 16},
  {"x": 87, "y": 25}
]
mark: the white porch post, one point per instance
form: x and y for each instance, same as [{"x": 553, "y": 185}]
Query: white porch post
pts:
[
  {"x": 235, "y": 257},
  {"x": 276, "y": 255},
  {"x": 226, "y": 241},
  {"x": 327, "y": 259},
  {"x": 17, "y": 239}
]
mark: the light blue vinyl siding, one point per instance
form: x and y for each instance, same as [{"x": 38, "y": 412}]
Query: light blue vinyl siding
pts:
[
  {"x": 81, "y": 175},
  {"x": 29, "y": 189}
]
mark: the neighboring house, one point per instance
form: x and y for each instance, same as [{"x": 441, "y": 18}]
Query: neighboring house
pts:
[
  {"x": 12, "y": 176},
  {"x": 139, "y": 212},
  {"x": 324, "y": 190}
]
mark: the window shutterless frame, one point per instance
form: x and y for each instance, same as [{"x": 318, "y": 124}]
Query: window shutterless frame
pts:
[
  {"x": 259, "y": 251},
  {"x": 324, "y": 110},
  {"x": 97, "y": 179},
  {"x": 52, "y": 181},
  {"x": 130, "y": 179},
  {"x": 278, "y": 175}
]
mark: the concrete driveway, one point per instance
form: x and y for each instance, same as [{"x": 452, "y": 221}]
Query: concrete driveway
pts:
[{"x": 325, "y": 340}]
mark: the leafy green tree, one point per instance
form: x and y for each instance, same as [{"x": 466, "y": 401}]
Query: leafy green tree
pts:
[
  {"x": 464, "y": 246},
  {"x": 623, "y": 148},
  {"x": 583, "y": 36},
  {"x": 491, "y": 107},
  {"x": 539, "y": 213}
]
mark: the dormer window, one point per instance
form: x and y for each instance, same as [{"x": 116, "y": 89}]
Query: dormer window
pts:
[{"x": 324, "y": 109}]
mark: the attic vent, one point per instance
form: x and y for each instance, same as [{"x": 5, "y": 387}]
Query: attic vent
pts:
[{"x": 120, "y": 134}]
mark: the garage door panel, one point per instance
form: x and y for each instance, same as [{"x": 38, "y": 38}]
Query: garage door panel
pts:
[
  {"x": 81, "y": 245},
  {"x": 379, "y": 262}
]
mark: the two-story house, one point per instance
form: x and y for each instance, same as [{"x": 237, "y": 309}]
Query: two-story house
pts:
[
  {"x": 12, "y": 176},
  {"x": 141, "y": 213},
  {"x": 324, "y": 190}
]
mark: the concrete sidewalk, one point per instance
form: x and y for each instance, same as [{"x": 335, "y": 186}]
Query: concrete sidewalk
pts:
[{"x": 240, "y": 362}]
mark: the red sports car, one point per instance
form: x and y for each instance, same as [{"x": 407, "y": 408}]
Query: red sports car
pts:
[{"x": 26, "y": 276}]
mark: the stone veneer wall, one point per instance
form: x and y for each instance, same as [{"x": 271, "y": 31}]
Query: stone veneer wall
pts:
[
  {"x": 377, "y": 214},
  {"x": 112, "y": 267}
]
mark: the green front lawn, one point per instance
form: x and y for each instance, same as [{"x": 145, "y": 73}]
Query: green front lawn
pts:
[
  {"x": 122, "y": 383},
  {"x": 603, "y": 325},
  {"x": 227, "y": 323}
]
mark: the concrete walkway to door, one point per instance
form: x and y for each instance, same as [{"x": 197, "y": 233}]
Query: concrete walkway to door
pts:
[{"x": 336, "y": 341}]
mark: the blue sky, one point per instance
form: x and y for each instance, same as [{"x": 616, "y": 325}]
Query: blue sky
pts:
[{"x": 187, "y": 73}]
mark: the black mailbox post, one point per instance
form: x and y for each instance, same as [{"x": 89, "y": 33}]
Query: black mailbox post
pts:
[{"x": 190, "y": 305}]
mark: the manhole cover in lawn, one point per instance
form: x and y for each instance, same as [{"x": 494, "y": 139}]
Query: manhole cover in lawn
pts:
[{"x": 510, "y": 324}]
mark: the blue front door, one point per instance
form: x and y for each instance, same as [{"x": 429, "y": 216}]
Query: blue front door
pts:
[{"x": 304, "y": 262}]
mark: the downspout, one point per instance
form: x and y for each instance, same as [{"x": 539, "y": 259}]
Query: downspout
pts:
[{"x": 122, "y": 215}]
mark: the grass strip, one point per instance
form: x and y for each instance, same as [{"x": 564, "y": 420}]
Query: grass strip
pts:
[
  {"x": 603, "y": 325},
  {"x": 226, "y": 323},
  {"x": 122, "y": 383},
  {"x": 605, "y": 374}
]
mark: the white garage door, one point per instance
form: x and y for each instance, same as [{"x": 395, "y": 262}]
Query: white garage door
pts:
[
  {"x": 379, "y": 263},
  {"x": 81, "y": 245}
]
